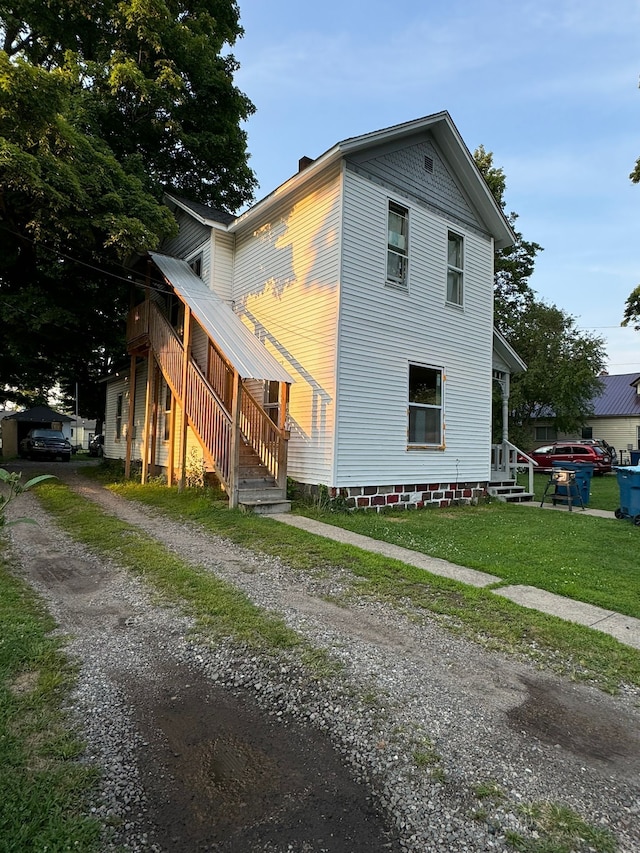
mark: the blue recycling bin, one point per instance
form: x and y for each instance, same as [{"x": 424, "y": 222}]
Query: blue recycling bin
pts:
[
  {"x": 581, "y": 486},
  {"x": 635, "y": 457},
  {"x": 629, "y": 485}
]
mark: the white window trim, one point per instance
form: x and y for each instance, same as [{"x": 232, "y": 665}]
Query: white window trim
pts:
[
  {"x": 460, "y": 270},
  {"x": 420, "y": 445},
  {"x": 398, "y": 284}
]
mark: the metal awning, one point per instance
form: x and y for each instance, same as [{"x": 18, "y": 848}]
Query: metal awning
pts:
[{"x": 246, "y": 353}]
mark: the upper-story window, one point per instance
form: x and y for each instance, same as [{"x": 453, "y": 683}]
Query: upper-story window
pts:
[
  {"x": 196, "y": 265},
  {"x": 455, "y": 268},
  {"x": 397, "y": 244}
]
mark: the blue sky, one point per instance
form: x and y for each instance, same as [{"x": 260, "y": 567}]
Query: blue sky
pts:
[{"x": 550, "y": 87}]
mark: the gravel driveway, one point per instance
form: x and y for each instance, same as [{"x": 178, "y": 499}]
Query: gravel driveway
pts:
[{"x": 208, "y": 749}]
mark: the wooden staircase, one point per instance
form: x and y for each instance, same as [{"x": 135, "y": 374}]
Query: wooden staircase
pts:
[
  {"x": 225, "y": 430},
  {"x": 509, "y": 491},
  {"x": 258, "y": 491}
]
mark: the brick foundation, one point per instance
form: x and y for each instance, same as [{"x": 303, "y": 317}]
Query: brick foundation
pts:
[{"x": 408, "y": 496}]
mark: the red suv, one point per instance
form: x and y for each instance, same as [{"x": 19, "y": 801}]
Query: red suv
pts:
[{"x": 567, "y": 451}]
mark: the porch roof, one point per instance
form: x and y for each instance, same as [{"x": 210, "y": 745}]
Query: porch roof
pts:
[{"x": 246, "y": 353}]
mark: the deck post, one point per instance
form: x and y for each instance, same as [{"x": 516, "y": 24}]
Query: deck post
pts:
[
  {"x": 171, "y": 474},
  {"x": 151, "y": 367},
  {"x": 186, "y": 355},
  {"x": 234, "y": 460},
  {"x": 283, "y": 443},
  {"x": 130, "y": 417}
]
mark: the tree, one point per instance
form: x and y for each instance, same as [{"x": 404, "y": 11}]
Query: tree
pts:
[
  {"x": 563, "y": 364},
  {"x": 102, "y": 105},
  {"x": 632, "y": 310},
  {"x": 514, "y": 265}
]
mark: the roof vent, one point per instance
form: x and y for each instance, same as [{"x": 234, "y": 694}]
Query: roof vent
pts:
[
  {"x": 428, "y": 164},
  {"x": 303, "y": 162}
]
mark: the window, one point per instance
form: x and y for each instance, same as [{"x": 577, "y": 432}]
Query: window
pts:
[
  {"x": 455, "y": 261},
  {"x": 425, "y": 405},
  {"x": 196, "y": 265},
  {"x": 546, "y": 433},
  {"x": 587, "y": 432},
  {"x": 397, "y": 244},
  {"x": 119, "y": 416}
]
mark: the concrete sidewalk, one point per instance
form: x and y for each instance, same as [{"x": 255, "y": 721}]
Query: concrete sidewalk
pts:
[{"x": 626, "y": 629}]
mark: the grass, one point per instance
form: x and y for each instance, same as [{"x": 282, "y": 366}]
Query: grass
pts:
[
  {"x": 589, "y": 559},
  {"x": 498, "y": 623},
  {"x": 220, "y": 609},
  {"x": 604, "y": 491},
  {"x": 43, "y": 788}
]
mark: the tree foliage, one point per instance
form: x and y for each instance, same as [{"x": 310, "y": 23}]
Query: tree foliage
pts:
[
  {"x": 563, "y": 364},
  {"x": 513, "y": 266},
  {"x": 102, "y": 105},
  {"x": 632, "y": 310}
]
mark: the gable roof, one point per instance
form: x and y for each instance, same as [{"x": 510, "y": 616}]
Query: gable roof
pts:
[
  {"x": 39, "y": 414},
  {"x": 506, "y": 352},
  {"x": 202, "y": 212},
  {"x": 248, "y": 355},
  {"x": 619, "y": 397},
  {"x": 441, "y": 127}
]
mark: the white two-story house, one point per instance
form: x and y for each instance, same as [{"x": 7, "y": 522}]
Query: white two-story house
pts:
[{"x": 353, "y": 308}]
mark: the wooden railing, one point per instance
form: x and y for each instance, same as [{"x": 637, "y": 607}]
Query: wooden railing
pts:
[
  {"x": 209, "y": 420},
  {"x": 267, "y": 440},
  {"x": 207, "y": 400}
]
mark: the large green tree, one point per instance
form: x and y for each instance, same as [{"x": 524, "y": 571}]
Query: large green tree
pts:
[
  {"x": 631, "y": 316},
  {"x": 563, "y": 363},
  {"x": 102, "y": 105}
]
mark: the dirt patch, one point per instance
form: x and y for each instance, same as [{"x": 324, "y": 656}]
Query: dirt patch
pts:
[
  {"x": 221, "y": 775},
  {"x": 575, "y": 721}
]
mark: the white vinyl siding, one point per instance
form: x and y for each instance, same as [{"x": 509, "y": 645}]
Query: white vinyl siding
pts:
[
  {"x": 618, "y": 432},
  {"x": 286, "y": 291},
  {"x": 382, "y": 330},
  {"x": 222, "y": 254},
  {"x": 191, "y": 238}
]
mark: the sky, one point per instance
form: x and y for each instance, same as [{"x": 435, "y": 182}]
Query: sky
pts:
[{"x": 550, "y": 87}]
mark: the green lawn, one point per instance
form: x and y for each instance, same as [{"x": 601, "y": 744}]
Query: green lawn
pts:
[
  {"x": 605, "y": 493},
  {"x": 590, "y": 559}
]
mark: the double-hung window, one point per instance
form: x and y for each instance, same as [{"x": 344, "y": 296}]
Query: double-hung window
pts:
[
  {"x": 397, "y": 244},
  {"x": 119, "y": 401},
  {"x": 455, "y": 263},
  {"x": 425, "y": 405}
]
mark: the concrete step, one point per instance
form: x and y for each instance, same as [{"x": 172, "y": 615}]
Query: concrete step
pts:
[
  {"x": 265, "y": 507},
  {"x": 260, "y": 493},
  {"x": 509, "y": 492}
]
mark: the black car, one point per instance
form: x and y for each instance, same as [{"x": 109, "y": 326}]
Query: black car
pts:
[
  {"x": 96, "y": 445},
  {"x": 45, "y": 444}
]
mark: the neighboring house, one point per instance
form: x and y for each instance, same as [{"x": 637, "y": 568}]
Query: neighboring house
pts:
[
  {"x": 340, "y": 331},
  {"x": 81, "y": 431},
  {"x": 17, "y": 425},
  {"x": 615, "y": 418}
]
